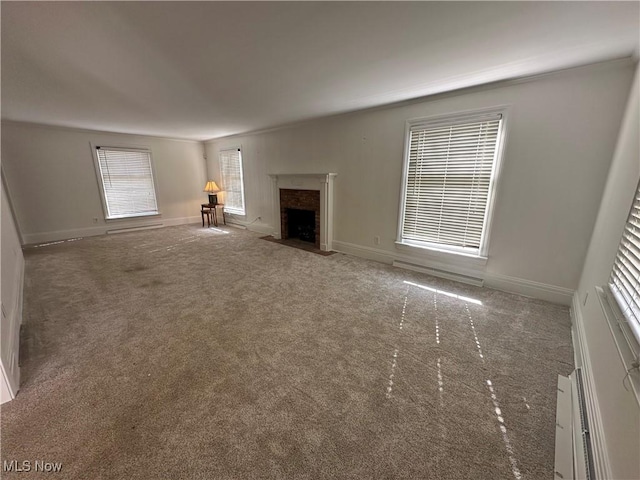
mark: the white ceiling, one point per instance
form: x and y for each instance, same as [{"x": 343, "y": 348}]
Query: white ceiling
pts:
[{"x": 201, "y": 70}]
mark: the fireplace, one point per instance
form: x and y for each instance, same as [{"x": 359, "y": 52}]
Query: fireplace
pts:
[
  {"x": 310, "y": 192},
  {"x": 300, "y": 215}
]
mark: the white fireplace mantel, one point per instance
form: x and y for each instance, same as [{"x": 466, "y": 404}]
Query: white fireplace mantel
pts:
[{"x": 322, "y": 182}]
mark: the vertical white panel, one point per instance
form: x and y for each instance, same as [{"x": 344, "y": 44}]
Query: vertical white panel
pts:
[{"x": 12, "y": 262}]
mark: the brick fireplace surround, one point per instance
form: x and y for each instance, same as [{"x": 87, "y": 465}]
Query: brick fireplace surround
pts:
[{"x": 301, "y": 200}]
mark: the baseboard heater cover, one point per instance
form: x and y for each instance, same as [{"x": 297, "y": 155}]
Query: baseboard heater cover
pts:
[
  {"x": 134, "y": 229},
  {"x": 458, "y": 277},
  {"x": 574, "y": 451}
]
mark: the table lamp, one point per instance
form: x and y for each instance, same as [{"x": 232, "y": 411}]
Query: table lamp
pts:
[{"x": 212, "y": 189}]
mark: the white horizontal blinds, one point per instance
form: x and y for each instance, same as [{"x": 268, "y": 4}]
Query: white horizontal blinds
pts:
[
  {"x": 625, "y": 277},
  {"x": 127, "y": 182},
  {"x": 232, "y": 181},
  {"x": 448, "y": 182}
]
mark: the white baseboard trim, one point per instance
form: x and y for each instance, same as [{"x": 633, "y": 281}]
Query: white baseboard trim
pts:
[
  {"x": 529, "y": 288},
  {"x": 260, "y": 228},
  {"x": 409, "y": 262},
  {"x": 364, "y": 252},
  {"x": 520, "y": 286},
  {"x": 457, "y": 277},
  {"x": 237, "y": 225},
  {"x": 135, "y": 229},
  {"x": 583, "y": 360},
  {"x": 43, "y": 237},
  {"x": 252, "y": 227},
  {"x": 58, "y": 235}
]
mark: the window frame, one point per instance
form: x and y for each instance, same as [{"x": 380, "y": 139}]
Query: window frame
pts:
[
  {"x": 444, "y": 120},
  {"x": 231, "y": 210},
  {"x": 623, "y": 336},
  {"x": 99, "y": 178},
  {"x": 628, "y": 323}
]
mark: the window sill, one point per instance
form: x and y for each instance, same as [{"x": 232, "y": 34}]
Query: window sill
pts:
[
  {"x": 442, "y": 255},
  {"x": 625, "y": 342}
]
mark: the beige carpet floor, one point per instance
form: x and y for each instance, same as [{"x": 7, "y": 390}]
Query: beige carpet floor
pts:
[{"x": 186, "y": 352}]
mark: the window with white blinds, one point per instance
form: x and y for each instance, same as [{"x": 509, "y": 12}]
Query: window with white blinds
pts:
[
  {"x": 449, "y": 170},
  {"x": 232, "y": 180},
  {"x": 127, "y": 182},
  {"x": 625, "y": 277}
]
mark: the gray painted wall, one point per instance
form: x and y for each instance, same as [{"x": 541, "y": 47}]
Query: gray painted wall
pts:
[
  {"x": 619, "y": 410},
  {"x": 561, "y": 135},
  {"x": 561, "y": 138},
  {"x": 54, "y": 187}
]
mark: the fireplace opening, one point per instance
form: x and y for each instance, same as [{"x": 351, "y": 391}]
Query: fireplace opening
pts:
[
  {"x": 301, "y": 224},
  {"x": 300, "y": 215}
]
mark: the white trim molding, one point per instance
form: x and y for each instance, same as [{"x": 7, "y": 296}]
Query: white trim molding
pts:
[
  {"x": 437, "y": 272},
  {"x": 42, "y": 237},
  {"x": 583, "y": 360},
  {"x": 469, "y": 267},
  {"x": 624, "y": 339},
  {"x": 95, "y": 147},
  {"x": 11, "y": 370},
  {"x": 464, "y": 271},
  {"x": 499, "y": 113},
  {"x": 263, "y": 228},
  {"x": 374, "y": 254},
  {"x": 529, "y": 288},
  {"x": 322, "y": 182}
]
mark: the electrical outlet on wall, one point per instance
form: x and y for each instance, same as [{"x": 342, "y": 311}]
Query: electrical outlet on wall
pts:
[
  {"x": 376, "y": 240},
  {"x": 95, "y": 219}
]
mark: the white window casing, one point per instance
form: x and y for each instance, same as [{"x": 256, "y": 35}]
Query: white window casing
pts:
[
  {"x": 451, "y": 165},
  {"x": 126, "y": 181},
  {"x": 232, "y": 181},
  {"x": 620, "y": 298},
  {"x": 624, "y": 282}
]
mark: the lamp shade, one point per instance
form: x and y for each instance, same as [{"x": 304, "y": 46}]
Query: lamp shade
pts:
[{"x": 211, "y": 187}]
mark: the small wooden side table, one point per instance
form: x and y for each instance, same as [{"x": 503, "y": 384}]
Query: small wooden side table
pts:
[{"x": 210, "y": 210}]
